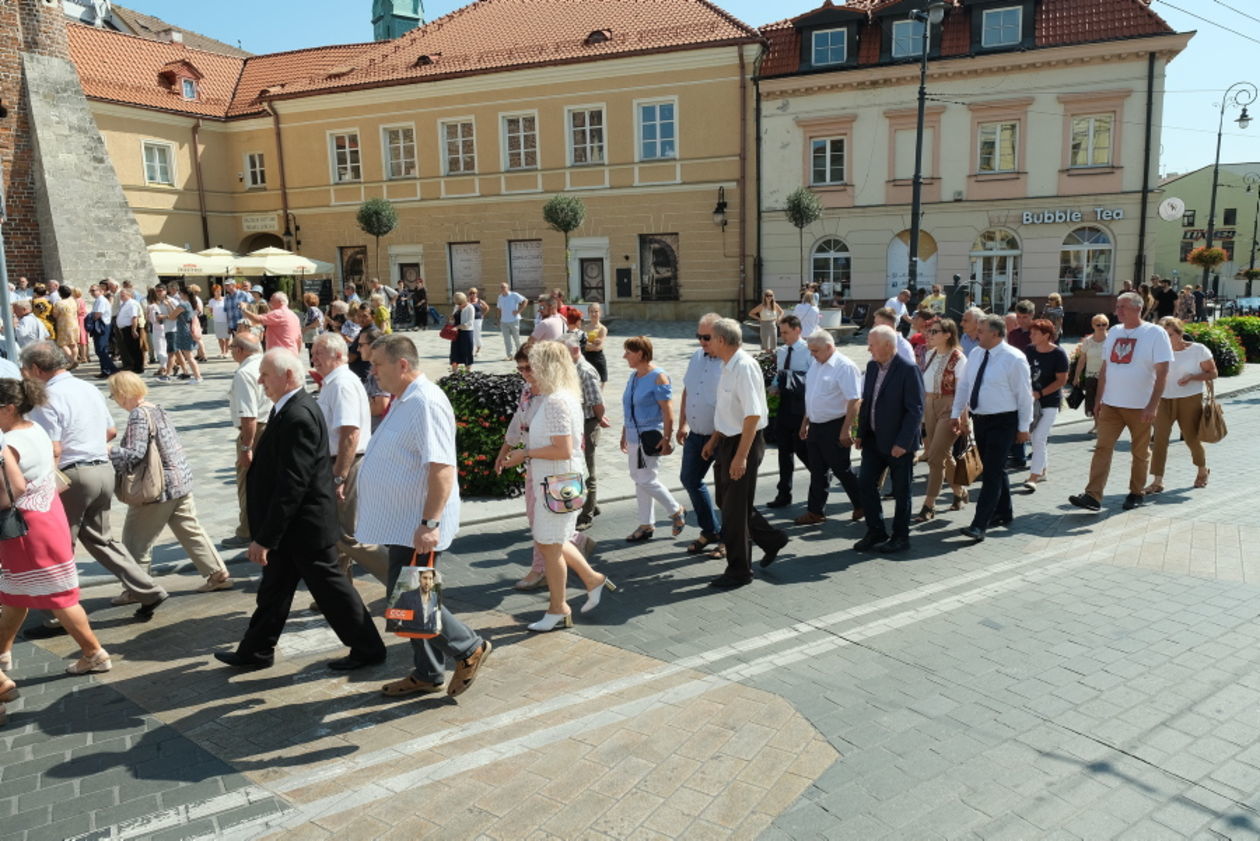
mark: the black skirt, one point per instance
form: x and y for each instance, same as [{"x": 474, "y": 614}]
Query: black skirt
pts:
[{"x": 462, "y": 348}]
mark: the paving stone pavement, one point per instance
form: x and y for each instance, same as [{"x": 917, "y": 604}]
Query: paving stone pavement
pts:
[{"x": 1075, "y": 676}]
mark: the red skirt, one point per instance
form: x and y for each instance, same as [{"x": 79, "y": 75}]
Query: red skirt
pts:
[{"x": 38, "y": 570}]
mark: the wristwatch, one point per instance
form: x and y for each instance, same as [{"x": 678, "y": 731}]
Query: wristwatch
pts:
[
  {"x": 430, "y": 524},
  {"x": 339, "y": 480}
]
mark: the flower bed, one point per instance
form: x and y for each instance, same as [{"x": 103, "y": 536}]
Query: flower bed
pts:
[{"x": 483, "y": 405}]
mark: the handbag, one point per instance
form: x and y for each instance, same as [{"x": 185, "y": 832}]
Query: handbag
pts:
[
  {"x": 1212, "y": 426},
  {"x": 143, "y": 483},
  {"x": 1076, "y": 396},
  {"x": 564, "y": 493},
  {"x": 968, "y": 466},
  {"x": 12, "y": 523},
  {"x": 650, "y": 440},
  {"x": 449, "y": 332},
  {"x": 406, "y": 614}
]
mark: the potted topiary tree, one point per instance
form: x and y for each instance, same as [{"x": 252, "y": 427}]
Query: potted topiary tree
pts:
[
  {"x": 378, "y": 218},
  {"x": 565, "y": 214}
]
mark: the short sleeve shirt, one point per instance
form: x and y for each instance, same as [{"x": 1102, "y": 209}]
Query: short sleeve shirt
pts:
[
  {"x": 741, "y": 394},
  {"x": 1188, "y": 361},
  {"x": 1130, "y": 357},
  {"x": 77, "y": 417},
  {"x": 246, "y": 399},
  {"x": 343, "y": 401},
  {"x": 508, "y": 305},
  {"x": 829, "y": 386},
  {"x": 284, "y": 330}
]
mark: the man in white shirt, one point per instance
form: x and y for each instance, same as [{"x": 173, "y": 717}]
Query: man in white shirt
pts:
[
  {"x": 128, "y": 325},
  {"x": 593, "y": 421},
  {"x": 1136, "y": 356},
  {"x": 791, "y": 362},
  {"x": 739, "y": 416},
  {"x": 27, "y": 329},
  {"x": 79, "y": 424},
  {"x": 888, "y": 318},
  {"x": 833, "y": 394},
  {"x": 102, "y": 316},
  {"x": 347, "y": 412},
  {"x": 995, "y": 393},
  {"x": 249, "y": 406},
  {"x": 899, "y": 304},
  {"x": 510, "y": 304},
  {"x": 695, "y": 428},
  {"x": 23, "y": 291},
  {"x": 410, "y": 504}
]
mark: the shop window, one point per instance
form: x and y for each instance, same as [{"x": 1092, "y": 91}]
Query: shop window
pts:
[
  {"x": 1085, "y": 262},
  {"x": 830, "y": 269},
  {"x": 658, "y": 259}
]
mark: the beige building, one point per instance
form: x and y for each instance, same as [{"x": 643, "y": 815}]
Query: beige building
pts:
[
  {"x": 1237, "y": 212},
  {"x": 468, "y": 125},
  {"x": 1036, "y": 172}
]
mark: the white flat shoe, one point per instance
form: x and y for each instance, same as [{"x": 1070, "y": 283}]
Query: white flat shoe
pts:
[
  {"x": 6, "y": 661},
  {"x": 98, "y": 662},
  {"x": 551, "y": 621},
  {"x": 594, "y": 594}
]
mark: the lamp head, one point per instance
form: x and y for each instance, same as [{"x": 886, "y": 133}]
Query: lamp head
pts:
[
  {"x": 1244, "y": 119},
  {"x": 719, "y": 209},
  {"x": 936, "y": 12}
]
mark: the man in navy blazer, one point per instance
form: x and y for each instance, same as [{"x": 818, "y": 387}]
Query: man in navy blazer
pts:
[{"x": 889, "y": 426}]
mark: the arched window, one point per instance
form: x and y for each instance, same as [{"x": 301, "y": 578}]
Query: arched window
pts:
[
  {"x": 995, "y": 240},
  {"x": 830, "y": 269},
  {"x": 1085, "y": 263}
]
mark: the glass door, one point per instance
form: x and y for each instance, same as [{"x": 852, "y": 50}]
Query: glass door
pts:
[{"x": 996, "y": 276}]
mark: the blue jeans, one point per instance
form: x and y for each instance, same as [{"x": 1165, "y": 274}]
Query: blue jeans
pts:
[
  {"x": 101, "y": 343},
  {"x": 694, "y": 468}
]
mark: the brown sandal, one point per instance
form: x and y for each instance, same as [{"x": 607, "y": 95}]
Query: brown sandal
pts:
[
  {"x": 701, "y": 544},
  {"x": 409, "y": 686},
  {"x": 719, "y": 553},
  {"x": 466, "y": 670}
]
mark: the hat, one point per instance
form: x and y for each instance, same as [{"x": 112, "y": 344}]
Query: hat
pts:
[{"x": 257, "y": 289}]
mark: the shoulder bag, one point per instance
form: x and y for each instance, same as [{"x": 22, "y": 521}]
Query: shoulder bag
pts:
[
  {"x": 564, "y": 493},
  {"x": 143, "y": 483},
  {"x": 12, "y": 523},
  {"x": 411, "y": 612},
  {"x": 968, "y": 466},
  {"x": 650, "y": 440},
  {"x": 1212, "y": 424}
]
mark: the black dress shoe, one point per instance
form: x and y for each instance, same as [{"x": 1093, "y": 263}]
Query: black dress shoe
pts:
[
  {"x": 356, "y": 661},
  {"x": 145, "y": 611},
  {"x": 999, "y": 522},
  {"x": 895, "y": 544},
  {"x": 1085, "y": 501},
  {"x": 779, "y": 502},
  {"x": 773, "y": 551},
  {"x": 1134, "y": 501},
  {"x": 729, "y": 582},
  {"x": 43, "y": 632},
  {"x": 974, "y": 533},
  {"x": 870, "y": 542},
  {"x": 242, "y": 661}
]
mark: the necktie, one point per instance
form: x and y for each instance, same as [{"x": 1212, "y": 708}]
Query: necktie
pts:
[
  {"x": 787, "y": 363},
  {"x": 975, "y": 387}
]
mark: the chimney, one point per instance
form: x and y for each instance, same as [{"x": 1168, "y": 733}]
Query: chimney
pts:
[{"x": 171, "y": 36}]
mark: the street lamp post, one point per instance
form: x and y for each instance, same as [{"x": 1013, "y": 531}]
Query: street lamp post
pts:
[
  {"x": 1253, "y": 181},
  {"x": 931, "y": 16},
  {"x": 1240, "y": 94}
]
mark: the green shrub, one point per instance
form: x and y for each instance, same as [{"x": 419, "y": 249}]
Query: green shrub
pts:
[
  {"x": 483, "y": 405},
  {"x": 1247, "y": 329},
  {"x": 1225, "y": 347}
]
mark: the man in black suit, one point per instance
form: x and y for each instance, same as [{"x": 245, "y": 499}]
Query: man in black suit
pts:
[
  {"x": 293, "y": 522},
  {"x": 889, "y": 426}
]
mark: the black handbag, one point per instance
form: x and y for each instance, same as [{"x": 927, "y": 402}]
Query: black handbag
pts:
[
  {"x": 12, "y": 523},
  {"x": 650, "y": 440},
  {"x": 1076, "y": 397}
]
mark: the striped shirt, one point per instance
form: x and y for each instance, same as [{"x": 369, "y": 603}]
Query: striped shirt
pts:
[{"x": 232, "y": 305}]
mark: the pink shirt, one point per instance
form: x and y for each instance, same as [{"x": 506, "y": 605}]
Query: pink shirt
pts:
[{"x": 283, "y": 330}]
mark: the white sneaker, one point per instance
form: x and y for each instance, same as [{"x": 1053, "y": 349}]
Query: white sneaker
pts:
[{"x": 125, "y": 597}]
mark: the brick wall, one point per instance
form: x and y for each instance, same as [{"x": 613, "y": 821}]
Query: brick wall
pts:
[{"x": 21, "y": 231}]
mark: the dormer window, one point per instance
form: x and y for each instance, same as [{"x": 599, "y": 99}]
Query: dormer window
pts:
[
  {"x": 189, "y": 88},
  {"x": 1002, "y": 27},
  {"x": 907, "y": 39},
  {"x": 599, "y": 36},
  {"x": 830, "y": 46},
  {"x": 424, "y": 61}
]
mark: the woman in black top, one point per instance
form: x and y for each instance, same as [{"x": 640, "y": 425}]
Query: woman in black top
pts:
[
  {"x": 1049, "y": 366},
  {"x": 420, "y": 300}
]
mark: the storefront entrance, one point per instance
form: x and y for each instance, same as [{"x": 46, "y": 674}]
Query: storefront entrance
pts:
[{"x": 995, "y": 270}]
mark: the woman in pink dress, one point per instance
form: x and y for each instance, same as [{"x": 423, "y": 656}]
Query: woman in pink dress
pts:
[{"x": 37, "y": 570}]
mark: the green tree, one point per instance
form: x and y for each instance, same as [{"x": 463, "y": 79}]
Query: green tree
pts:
[
  {"x": 564, "y": 214},
  {"x": 802, "y": 209},
  {"x": 378, "y": 218}
]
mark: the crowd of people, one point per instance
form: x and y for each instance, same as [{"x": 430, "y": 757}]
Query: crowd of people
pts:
[{"x": 364, "y": 471}]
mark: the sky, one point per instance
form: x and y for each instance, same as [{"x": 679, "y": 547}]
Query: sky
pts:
[{"x": 1222, "y": 52}]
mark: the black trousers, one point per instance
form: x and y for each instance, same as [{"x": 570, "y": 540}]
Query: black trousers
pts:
[
  {"x": 874, "y": 463},
  {"x": 742, "y": 524},
  {"x": 129, "y": 351},
  {"x": 337, "y": 598},
  {"x": 826, "y": 456},
  {"x": 787, "y": 429},
  {"x": 995, "y": 435}
]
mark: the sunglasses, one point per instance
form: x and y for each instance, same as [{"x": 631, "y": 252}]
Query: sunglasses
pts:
[
  {"x": 704, "y": 337},
  {"x": 935, "y": 332}
]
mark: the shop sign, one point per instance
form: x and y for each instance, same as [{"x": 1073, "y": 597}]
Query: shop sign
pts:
[
  {"x": 260, "y": 223},
  {"x": 1200, "y": 233},
  {"x": 1062, "y": 217}
]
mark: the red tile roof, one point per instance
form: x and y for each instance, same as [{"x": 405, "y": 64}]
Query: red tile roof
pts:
[{"x": 148, "y": 26}]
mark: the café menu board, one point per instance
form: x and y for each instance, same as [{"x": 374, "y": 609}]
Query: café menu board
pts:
[{"x": 525, "y": 261}]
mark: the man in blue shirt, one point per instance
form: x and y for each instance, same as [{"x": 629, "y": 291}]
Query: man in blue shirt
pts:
[{"x": 235, "y": 296}]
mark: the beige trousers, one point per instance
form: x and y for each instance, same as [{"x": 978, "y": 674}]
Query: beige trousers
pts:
[
  {"x": 145, "y": 522},
  {"x": 374, "y": 559},
  {"x": 938, "y": 444},
  {"x": 242, "y": 527},
  {"x": 1187, "y": 412},
  {"x": 1111, "y": 422}
]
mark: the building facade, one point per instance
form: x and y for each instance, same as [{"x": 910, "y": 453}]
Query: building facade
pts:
[
  {"x": 1237, "y": 203},
  {"x": 468, "y": 125},
  {"x": 1037, "y": 164}
]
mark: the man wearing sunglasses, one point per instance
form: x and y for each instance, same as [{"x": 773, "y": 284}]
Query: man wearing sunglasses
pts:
[{"x": 695, "y": 427}]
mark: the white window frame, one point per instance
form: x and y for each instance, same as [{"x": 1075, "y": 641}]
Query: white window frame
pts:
[
  {"x": 569, "y": 130},
  {"x": 333, "y": 167},
  {"x": 184, "y": 84},
  {"x": 639, "y": 105},
  {"x": 813, "y": 46},
  {"x": 1110, "y": 117},
  {"x": 387, "y": 151},
  {"x": 916, "y": 38},
  {"x": 1019, "y": 26},
  {"x": 503, "y": 139},
  {"x": 165, "y": 147},
  {"x": 255, "y": 170},
  {"x": 446, "y": 161},
  {"x": 831, "y": 181},
  {"x": 997, "y": 145}
]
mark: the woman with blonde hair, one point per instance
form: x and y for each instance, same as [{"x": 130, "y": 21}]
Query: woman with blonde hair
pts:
[
  {"x": 554, "y": 448},
  {"x": 943, "y": 366},
  {"x": 1053, "y": 312},
  {"x": 37, "y": 570},
  {"x": 148, "y": 425},
  {"x": 463, "y": 318},
  {"x": 1182, "y": 401},
  {"x": 768, "y": 313},
  {"x": 1088, "y": 360},
  {"x": 66, "y": 319}
]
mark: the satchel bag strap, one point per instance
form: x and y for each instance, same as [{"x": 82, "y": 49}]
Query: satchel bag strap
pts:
[
  {"x": 8, "y": 488},
  {"x": 634, "y": 384},
  {"x": 415, "y": 556},
  {"x": 1210, "y": 391}
]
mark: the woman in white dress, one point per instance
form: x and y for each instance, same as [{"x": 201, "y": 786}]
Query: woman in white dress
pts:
[
  {"x": 218, "y": 319},
  {"x": 554, "y": 447}
]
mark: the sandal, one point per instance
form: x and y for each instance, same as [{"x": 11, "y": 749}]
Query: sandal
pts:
[
  {"x": 1200, "y": 481},
  {"x": 960, "y": 500},
  {"x": 926, "y": 513},
  {"x": 701, "y": 544},
  {"x": 680, "y": 520},
  {"x": 9, "y": 691},
  {"x": 640, "y": 534},
  {"x": 718, "y": 554},
  {"x": 408, "y": 686},
  {"x": 1153, "y": 488}
]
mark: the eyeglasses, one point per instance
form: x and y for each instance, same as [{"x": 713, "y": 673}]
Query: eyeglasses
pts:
[
  {"x": 704, "y": 337},
  {"x": 935, "y": 332}
]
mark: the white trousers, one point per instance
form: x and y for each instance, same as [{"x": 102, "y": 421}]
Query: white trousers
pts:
[
  {"x": 477, "y": 322},
  {"x": 648, "y": 489},
  {"x": 1040, "y": 435}
]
